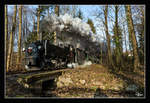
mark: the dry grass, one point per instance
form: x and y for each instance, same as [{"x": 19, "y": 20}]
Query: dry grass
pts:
[{"x": 96, "y": 76}]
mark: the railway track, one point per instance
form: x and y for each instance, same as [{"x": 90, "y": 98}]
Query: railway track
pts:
[{"x": 31, "y": 71}]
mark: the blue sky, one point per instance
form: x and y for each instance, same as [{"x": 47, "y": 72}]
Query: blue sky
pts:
[
  {"x": 86, "y": 9},
  {"x": 88, "y": 12}
]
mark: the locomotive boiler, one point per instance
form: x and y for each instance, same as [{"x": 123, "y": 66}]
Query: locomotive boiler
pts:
[{"x": 44, "y": 54}]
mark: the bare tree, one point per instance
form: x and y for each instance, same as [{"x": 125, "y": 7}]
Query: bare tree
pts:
[
  {"x": 6, "y": 33},
  {"x": 33, "y": 24},
  {"x": 38, "y": 23},
  {"x": 108, "y": 36},
  {"x": 24, "y": 14},
  {"x": 19, "y": 39},
  {"x": 74, "y": 10},
  {"x": 132, "y": 36},
  {"x": 64, "y": 9},
  {"x": 70, "y": 9},
  {"x": 117, "y": 40},
  {"x": 11, "y": 39},
  {"x": 125, "y": 36},
  {"x": 138, "y": 20}
]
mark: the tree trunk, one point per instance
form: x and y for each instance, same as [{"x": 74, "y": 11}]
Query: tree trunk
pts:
[
  {"x": 101, "y": 54},
  {"x": 57, "y": 10},
  {"x": 33, "y": 25},
  {"x": 10, "y": 49},
  {"x": 6, "y": 34},
  {"x": 117, "y": 40},
  {"x": 108, "y": 37},
  {"x": 19, "y": 39},
  {"x": 132, "y": 35},
  {"x": 125, "y": 37},
  {"x": 57, "y": 13},
  {"x": 24, "y": 20},
  {"x": 141, "y": 37},
  {"x": 38, "y": 23}
]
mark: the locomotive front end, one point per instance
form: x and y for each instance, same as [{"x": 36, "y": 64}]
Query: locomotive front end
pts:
[{"x": 31, "y": 55}]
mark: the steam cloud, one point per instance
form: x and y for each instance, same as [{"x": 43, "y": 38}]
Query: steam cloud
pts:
[{"x": 67, "y": 22}]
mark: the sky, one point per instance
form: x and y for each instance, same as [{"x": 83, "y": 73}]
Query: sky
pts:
[
  {"x": 86, "y": 9},
  {"x": 88, "y": 12}
]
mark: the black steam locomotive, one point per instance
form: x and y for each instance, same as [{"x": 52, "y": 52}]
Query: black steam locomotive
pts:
[{"x": 44, "y": 54}]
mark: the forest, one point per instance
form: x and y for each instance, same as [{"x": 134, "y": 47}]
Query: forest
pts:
[{"x": 116, "y": 33}]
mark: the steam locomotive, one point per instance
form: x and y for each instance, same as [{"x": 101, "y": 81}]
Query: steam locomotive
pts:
[{"x": 44, "y": 54}]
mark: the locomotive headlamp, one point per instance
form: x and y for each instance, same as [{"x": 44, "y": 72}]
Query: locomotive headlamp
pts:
[
  {"x": 70, "y": 48},
  {"x": 23, "y": 49}
]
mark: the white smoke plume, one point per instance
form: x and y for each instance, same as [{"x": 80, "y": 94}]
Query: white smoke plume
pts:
[{"x": 67, "y": 22}]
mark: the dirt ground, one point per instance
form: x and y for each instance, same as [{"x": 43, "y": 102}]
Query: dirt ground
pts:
[{"x": 94, "y": 81}]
